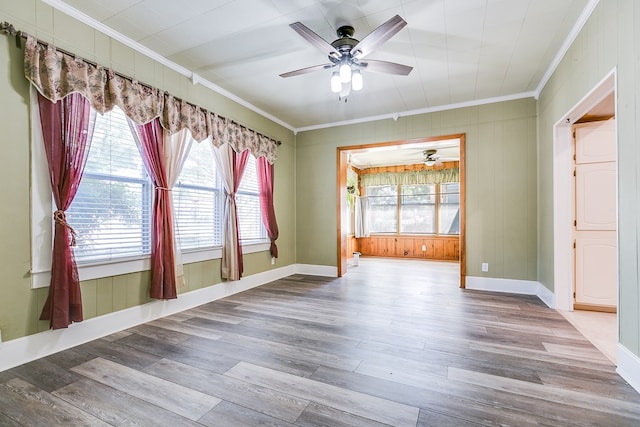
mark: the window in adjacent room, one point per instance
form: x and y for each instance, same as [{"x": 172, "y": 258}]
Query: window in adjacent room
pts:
[
  {"x": 449, "y": 208},
  {"x": 418, "y": 208},
  {"x": 383, "y": 208},
  {"x": 415, "y": 209}
]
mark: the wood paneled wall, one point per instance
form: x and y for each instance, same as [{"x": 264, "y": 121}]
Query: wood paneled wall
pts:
[{"x": 436, "y": 247}]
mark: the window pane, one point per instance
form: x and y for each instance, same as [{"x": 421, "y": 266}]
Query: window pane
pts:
[
  {"x": 449, "y": 214},
  {"x": 417, "y": 210},
  {"x": 249, "y": 182},
  {"x": 383, "y": 208},
  {"x": 248, "y": 204},
  {"x": 113, "y": 150},
  {"x": 200, "y": 168},
  {"x": 111, "y": 210},
  {"x": 196, "y": 199}
]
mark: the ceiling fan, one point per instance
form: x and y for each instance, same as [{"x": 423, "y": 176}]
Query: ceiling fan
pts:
[
  {"x": 348, "y": 54},
  {"x": 431, "y": 157}
]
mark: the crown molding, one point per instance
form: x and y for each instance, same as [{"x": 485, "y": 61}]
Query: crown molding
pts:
[
  {"x": 582, "y": 20},
  {"x": 396, "y": 116}
]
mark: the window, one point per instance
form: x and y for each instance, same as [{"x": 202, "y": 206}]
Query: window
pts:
[
  {"x": 250, "y": 227},
  {"x": 197, "y": 200},
  {"x": 449, "y": 209},
  {"x": 383, "y": 208},
  {"x": 418, "y": 208},
  {"x": 111, "y": 210},
  {"x": 415, "y": 209}
]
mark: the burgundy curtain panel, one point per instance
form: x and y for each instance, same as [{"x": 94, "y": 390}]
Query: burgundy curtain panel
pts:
[
  {"x": 163, "y": 274},
  {"x": 67, "y": 131},
  {"x": 239, "y": 165},
  {"x": 265, "y": 181}
]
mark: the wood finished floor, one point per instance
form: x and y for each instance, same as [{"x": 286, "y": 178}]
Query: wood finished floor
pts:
[{"x": 391, "y": 343}]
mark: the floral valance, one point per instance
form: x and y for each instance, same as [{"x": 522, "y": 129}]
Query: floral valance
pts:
[
  {"x": 56, "y": 74},
  {"x": 429, "y": 176}
]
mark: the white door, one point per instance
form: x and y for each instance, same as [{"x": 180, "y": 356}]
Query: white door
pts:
[{"x": 596, "y": 278}]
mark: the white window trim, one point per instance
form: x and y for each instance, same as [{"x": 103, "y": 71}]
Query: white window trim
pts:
[{"x": 42, "y": 225}]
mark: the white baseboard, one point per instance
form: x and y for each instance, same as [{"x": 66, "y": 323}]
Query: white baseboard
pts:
[
  {"x": 512, "y": 286},
  {"x": 546, "y": 296},
  {"x": 629, "y": 367},
  {"x": 32, "y": 347},
  {"x": 317, "y": 270}
]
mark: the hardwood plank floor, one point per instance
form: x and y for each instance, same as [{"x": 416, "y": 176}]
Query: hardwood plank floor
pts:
[{"x": 391, "y": 343}]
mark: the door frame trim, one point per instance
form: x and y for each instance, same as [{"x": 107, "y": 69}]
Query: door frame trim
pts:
[
  {"x": 563, "y": 275},
  {"x": 341, "y": 188}
]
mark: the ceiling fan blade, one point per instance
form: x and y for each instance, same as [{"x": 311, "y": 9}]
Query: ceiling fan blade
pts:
[
  {"x": 378, "y": 36},
  {"x": 376, "y": 66},
  {"x": 315, "y": 39},
  {"x": 307, "y": 70}
]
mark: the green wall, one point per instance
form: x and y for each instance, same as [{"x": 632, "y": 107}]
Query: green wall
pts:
[
  {"x": 609, "y": 40},
  {"x": 509, "y": 193},
  {"x": 501, "y": 182},
  {"x": 20, "y": 306}
]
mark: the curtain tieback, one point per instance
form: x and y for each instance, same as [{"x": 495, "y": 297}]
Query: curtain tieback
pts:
[
  {"x": 273, "y": 248},
  {"x": 61, "y": 218},
  {"x": 162, "y": 188}
]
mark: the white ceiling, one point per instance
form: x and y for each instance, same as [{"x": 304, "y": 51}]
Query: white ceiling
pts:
[
  {"x": 447, "y": 150},
  {"x": 462, "y": 51}
]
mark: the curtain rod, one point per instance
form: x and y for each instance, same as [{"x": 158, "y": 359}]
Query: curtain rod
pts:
[{"x": 9, "y": 29}]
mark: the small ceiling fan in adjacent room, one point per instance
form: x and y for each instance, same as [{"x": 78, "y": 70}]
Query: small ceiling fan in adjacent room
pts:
[
  {"x": 346, "y": 55},
  {"x": 431, "y": 157}
]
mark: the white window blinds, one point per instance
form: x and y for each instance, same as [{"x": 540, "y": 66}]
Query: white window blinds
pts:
[
  {"x": 197, "y": 199},
  {"x": 248, "y": 205},
  {"x": 111, "y": 210}
]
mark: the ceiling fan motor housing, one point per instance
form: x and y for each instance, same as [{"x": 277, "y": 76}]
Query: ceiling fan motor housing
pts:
[{"x": 345, "y": 43}]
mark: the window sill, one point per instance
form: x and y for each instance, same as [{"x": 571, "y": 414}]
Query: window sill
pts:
[{"x": 41, "y": 279}]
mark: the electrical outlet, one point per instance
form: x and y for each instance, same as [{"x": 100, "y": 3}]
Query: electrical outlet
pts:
[
  {"x": 485, "y": 267},
  {"x": 424, "y": 248}
]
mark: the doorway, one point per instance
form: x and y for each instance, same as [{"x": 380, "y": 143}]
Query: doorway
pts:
[
  {"x": 598, "y": 105},
  {"x": 342, "y": 214}
]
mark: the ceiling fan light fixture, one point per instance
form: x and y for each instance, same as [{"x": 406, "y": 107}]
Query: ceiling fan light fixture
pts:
[
  {"x": 336, "y": 82},
  {"x": 345, "y": 72},
  {"x": 356, "y": 80},
  {"x": 430, "y": 162}
]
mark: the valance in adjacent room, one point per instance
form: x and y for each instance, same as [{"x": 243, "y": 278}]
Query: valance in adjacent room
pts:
[{"x": 411, "y": 178}]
